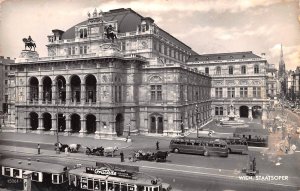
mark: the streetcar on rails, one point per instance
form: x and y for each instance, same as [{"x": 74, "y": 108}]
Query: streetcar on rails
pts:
[
  {"x": 204, "y": 147},
  {"x": 108, "y": 177},
  {"x": 19, "y": 174}
]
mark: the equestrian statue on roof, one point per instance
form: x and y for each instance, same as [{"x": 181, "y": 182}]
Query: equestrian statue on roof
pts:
[
  {"x": 110, "y": 33},
  {"x": 29, "y": 43}
]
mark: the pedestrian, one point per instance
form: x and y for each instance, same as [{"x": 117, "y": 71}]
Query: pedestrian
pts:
[
  {"x": 39, "y": 149},
  {"x": 122, "y": 156},
  {"x": 157, "y": 145}
]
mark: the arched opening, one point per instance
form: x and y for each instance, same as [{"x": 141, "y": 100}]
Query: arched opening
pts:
[
  {"x": 34, "y": 120},
  {"x": 119, "y": 124},
  {"x": 90, "y": 88},
  {"x": 47, "y": 91},
  {"x": 61, "y": 88},
  {"x": 90, "y": 123},
  {"x": 156, "y": 124},
  {"x": 75, "y": 88},
  {"x": 244, "y": 111},
  {"x": 47, "y": 121},
  {"x": 75, "y": 123},
  {"x": 61, "y": 122},
  {"x": 256, "y": 112},
  {"x": 34, "y": 89}
]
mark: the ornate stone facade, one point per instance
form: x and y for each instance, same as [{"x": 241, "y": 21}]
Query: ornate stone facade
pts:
[
  {"x": 237, "y": 76},
  {"x": 90, "y": 86}
]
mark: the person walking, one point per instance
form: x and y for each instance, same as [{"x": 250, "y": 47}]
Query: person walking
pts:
[
  {"x": 122, "y": 156},
  {"x": 157, "y": 145},
  {"x": 39, "y": 149}
]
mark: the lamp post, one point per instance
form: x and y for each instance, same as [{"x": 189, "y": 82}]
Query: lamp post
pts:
[
  {"x": 58, "y": 96},
  {"x": 197, "y": 121}
]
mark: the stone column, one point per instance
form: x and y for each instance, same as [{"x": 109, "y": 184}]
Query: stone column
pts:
[
  {"x": 68, "y": 93},
  {"x": 250, "y": 113},
  {"x": 54, "y": 124},
  {"x": 98, "y": 94},
  {"x": 40, "y": 94},
  {"x": 98, "y": 129},
  {"x": 82, "y": 93},
  {"x": 82, "y": 131},
  {"x": 68, "y": 126},
  {"x": 53, "y": 93},
  {"x": 41, "y": 125}
]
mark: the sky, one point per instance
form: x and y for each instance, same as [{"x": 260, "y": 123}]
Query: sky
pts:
[{"x": 207, "y": 26}]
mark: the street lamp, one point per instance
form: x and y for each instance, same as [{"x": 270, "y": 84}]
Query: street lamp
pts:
[
  {"x": 197, "y": 120},
  {"x": 58, "y": 96}
]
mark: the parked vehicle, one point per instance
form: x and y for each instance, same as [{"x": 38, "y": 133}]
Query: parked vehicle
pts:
[{"x": 204, "y": 147}]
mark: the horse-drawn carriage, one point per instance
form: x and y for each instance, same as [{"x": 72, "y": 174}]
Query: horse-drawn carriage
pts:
[
  {"x": 98, "y": 151},
  {"x": 159, "y": 156},
  {"x": 73, "y": 148}
]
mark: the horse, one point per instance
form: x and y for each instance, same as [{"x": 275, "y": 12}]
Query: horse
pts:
[
  {"x": 74, "y": 147},
  {"x": 29, "y": 44},
  {"x": 110, "y": 150},
  {"x": 61, "y": 147},
  {"x": 110, "y": 34}
]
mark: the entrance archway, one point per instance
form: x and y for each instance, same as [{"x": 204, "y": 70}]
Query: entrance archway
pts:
[
  {"x": 75, "y": 123},
  {"x": 156, "y": 124},
  {"x": 47, "y": 121},
  {"x": 256, "y": 112},
  {"x": 75, "y": 88},
  {"x": 91, "y": 123},
  {"x": 119, "y": 124},
  {"x": 244, "y": 111},
  {"x": 34, "y": 120},
  {"x": 47, "y": 92},
  {"x": 90, "y": 88},
  {"x": 34, "y": 89}
]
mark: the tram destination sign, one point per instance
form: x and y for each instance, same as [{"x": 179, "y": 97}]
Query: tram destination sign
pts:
[{"x": 109, "y": 172}]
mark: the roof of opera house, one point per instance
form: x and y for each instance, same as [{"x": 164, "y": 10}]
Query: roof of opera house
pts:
[
  {"x": 223, "y": 56},
  {"x": 127, "y": 19}
]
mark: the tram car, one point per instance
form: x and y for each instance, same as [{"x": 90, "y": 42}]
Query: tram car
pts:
[
  {"x": 20, "y": 174},
  {"x": 108, "y": 177}
]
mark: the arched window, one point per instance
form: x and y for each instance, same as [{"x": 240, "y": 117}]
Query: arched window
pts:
[
  {"x": 207, "y": 70},
  {"x": 243, "y": 70},
  {"x": 230, "y": 70},
  {"x": 218, "y": 70},
  {"x": 256, "y": 69}
]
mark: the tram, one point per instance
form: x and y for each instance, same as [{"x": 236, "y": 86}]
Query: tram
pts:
[
  {"x": 20, "y": 174},
  {"x": 114, "y": 177}
]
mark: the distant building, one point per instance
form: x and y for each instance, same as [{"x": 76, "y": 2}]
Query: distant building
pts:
[
  {"x": 289, "y": 84},
  {"x": 90, "y": 85},
  {"x": 296, "y": 86},
  {"x": 237, "y": 76},
  {"x": 4, "y": 71}
]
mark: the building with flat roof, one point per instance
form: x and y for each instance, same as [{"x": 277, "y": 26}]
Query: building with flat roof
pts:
[{"x": 239, "y": 78}]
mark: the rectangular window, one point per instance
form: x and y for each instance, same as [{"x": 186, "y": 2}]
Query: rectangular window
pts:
[
  {"x": 257, "y": 92},
  {"x": 73, "y": 50},
  {"x": 207, "y": 70},
  {"x": 123, "y": 46},
  {"x": 120, "y": 93},
  {"x": 243, "y": 92},
  {"x": 69, "y": 50},
  {"x": 218, "y": 92},
  {"x": 156, "y": 93},
  {"x": 231, "y": 92},
  {"x": 7, "y": 171},
  {"x": 5, "y": 82}
]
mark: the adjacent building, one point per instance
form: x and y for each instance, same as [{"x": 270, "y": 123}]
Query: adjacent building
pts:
[
  {"x": 296, "y": 86},
  {"x": 237, "y": 77},
  {"x": 90, "y": 85}
]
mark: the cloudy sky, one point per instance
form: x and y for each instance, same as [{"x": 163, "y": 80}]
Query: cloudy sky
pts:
[{"x": 207, "y": 26}]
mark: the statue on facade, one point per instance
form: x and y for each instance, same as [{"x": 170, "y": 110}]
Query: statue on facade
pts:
[
  {"x": 110, "y": 33},
  {"x": 29, "y": 43}
]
